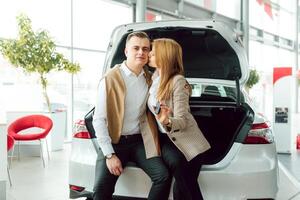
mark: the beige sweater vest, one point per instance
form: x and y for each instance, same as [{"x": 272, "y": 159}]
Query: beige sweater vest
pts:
[{"x": 115, "y": 100}]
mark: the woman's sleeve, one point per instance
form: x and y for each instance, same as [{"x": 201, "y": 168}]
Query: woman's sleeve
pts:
[{"x": 181, "y": 94}]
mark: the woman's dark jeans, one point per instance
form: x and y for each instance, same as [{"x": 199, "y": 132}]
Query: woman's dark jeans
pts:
[{"x": 186, "y": 173}]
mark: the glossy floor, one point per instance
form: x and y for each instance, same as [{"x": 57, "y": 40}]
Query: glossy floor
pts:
[{"x": 31, "y": 181}]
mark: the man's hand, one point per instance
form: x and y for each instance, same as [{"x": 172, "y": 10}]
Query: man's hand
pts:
[{"x": 114, "y": 165}]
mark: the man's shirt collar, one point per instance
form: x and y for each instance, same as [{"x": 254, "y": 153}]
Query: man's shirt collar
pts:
[{"x": 128, "y": 72}]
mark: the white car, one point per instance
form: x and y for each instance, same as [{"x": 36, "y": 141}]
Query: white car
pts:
[{"x": 242, "y": 163}]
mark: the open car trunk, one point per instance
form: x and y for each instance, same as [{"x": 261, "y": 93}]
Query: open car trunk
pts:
[
  {"x": 206, "y": 53},
  {"x": 222, "y": 124}
]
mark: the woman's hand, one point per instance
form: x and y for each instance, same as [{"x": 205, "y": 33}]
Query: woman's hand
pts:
[{"x": 163, "y": 115}]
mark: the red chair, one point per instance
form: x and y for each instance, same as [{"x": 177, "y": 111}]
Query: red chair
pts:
[
  {"x": 10, "y": 145},
  {"x": 31, "y": 121}
]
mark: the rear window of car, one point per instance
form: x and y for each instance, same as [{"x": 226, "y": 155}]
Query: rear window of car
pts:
[{"x": 211, "y": 92}]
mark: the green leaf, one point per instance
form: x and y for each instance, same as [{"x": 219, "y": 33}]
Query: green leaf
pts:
[{"x": 253, "y": 78}]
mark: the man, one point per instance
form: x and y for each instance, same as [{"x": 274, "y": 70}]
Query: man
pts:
[{"x": 124, "y": 130}]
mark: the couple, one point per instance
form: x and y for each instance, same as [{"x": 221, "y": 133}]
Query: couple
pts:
[{"x": 125, "y": 121}]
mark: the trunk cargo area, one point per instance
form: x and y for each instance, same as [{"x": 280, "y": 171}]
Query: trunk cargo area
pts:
[{"x": 222, "y": 123}]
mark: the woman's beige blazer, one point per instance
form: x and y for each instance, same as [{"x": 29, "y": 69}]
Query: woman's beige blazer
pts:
[{"x": 184, "y": 131}]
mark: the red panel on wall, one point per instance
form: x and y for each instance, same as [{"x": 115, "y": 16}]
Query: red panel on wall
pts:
[
  {"x": 150, "y": 17},
  {"x": 279, "y": 72},
  {"x": 259, "y": 2},
  {"x": 268, "y": 9}
]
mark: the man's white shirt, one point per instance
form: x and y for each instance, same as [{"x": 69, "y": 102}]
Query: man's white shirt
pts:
[{"x": 135, "y": 94}]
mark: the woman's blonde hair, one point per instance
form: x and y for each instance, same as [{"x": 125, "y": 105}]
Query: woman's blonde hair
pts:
[{"x": 168, "y": 56}]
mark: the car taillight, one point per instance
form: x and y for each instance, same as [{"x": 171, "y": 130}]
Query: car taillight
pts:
[
  {"x": 259, "y": 134},
  {"x": 76, "y": 188},
  {"x": 82, "y": 135},
  {"x": 80, "y": 130}
]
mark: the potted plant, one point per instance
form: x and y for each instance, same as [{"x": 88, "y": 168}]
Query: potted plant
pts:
[
  {"x": 252, "y": 80},
  {"x": 35, "y": 52}
]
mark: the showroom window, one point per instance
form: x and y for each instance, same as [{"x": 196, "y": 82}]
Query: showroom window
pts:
[
  {"x": 270, "y": 47},
  {"x": 231, "y": 9},
  {"x": 81, "y": 31}
]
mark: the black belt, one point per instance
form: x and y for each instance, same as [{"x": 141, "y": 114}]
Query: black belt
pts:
[{"x": 129, "y": 137}]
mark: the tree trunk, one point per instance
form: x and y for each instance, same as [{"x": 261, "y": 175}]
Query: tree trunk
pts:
[{"x": 44, "y": 85}]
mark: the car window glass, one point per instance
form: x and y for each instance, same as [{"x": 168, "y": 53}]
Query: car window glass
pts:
[
  {"x": 199, "y": 89},
  {"x": 212, "y": 91}
]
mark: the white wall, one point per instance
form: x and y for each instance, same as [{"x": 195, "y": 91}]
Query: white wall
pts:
[{"x": 3, "y": 162}]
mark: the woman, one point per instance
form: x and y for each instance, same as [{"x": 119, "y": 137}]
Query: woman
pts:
[{"x": 181, "y": 139}]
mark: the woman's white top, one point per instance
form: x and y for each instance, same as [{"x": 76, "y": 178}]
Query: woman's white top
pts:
[{"x": 152, "y": 101}]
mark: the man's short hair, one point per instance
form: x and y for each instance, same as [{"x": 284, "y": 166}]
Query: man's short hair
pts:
[{"x": 139, "y": 34}]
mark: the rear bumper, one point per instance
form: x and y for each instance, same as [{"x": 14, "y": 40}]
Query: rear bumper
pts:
[{"x": 251, "y": 174}]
